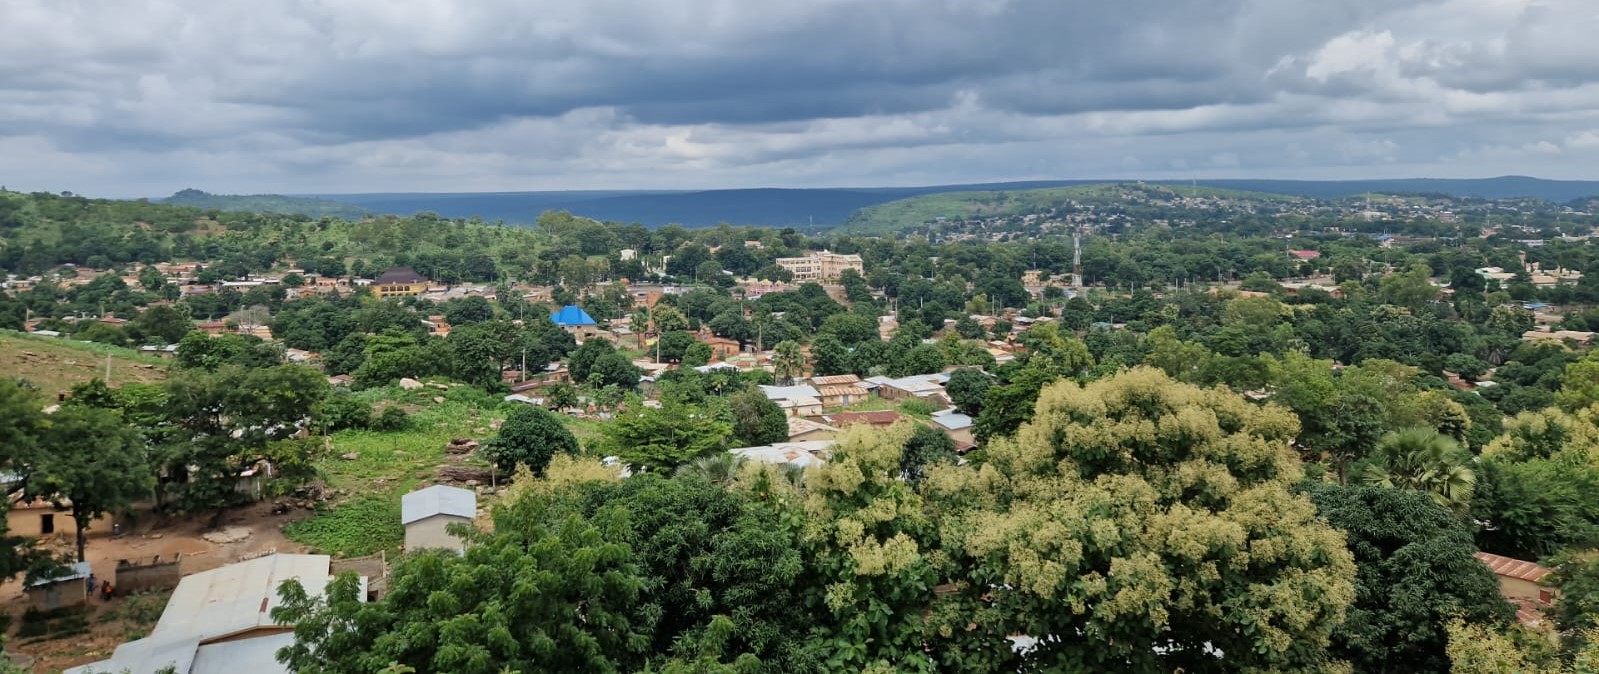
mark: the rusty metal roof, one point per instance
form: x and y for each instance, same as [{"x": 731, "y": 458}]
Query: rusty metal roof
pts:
[{"x": 1514, "y": 568}]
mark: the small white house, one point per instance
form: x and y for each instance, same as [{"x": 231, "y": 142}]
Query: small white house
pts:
[{"x": 426, "y": 513}]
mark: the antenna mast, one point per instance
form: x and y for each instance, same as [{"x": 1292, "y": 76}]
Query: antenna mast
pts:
[{"x": 1077, "y": 260}]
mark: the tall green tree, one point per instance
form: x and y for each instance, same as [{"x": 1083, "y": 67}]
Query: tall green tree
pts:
[
  {"x": 96, "y": 465},
  {"x": 530, "y": 436},
  {"x": 1415, "y": 573},
  {"x": 662, "y": 438},
  {"x": 223, "y": 422},
  {"x": 757, "y": 420},
  {"x": 925, "y": 447},
  {"x": 535, "y": 597},
  {"x": 21, "y": 424},
  {"x": 967, "y": 387},
  {"x": 1154, "y": 520}
]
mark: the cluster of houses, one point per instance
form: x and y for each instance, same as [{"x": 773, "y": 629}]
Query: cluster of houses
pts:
[{"x": 811, "y": 427}]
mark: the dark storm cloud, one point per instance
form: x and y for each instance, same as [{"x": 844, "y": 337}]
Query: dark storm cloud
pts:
[{"x": 309, "y": 95}]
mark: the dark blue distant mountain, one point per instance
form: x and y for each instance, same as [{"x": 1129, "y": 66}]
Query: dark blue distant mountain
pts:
[{"x": 823, "y": 208}]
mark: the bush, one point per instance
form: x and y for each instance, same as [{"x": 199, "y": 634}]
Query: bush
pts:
[
  {"x": 530, "y": 436},
  {"x": 917, "y": 407},
  {"x": 392, "y": 419},
  {"x": 361, "y": 526},
  {"x": 342, "y": 410}
]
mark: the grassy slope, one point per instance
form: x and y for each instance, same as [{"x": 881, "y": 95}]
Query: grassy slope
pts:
[
  {"x": 903, "y": 214},
  {"x": 55, "y": 364},
  {"x": 366, "y": 518}
]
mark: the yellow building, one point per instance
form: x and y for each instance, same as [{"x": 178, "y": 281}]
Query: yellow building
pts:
[
  {"x": 399, "y": 281},
  {"x": 822, "y": 266}
]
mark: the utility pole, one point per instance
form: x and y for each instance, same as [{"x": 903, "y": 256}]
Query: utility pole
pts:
[{"x": 108, "y": 369}]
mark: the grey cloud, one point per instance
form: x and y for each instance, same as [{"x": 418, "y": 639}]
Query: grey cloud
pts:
[{"x": 323, "y": 95}]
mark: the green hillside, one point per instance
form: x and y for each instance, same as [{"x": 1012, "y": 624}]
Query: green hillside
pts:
[
  {"x": 897, "y": 216},
  {"x": 266, "y": 203},
  {"x": 39, "y": 231}
]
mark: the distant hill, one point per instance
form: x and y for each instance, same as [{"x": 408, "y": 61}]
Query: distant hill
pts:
[
  {"x": 815, "y": 209},
  {"x": 896, "y": 216},
  {"x": 266, "y": 203},
  {"x": 824, "y": 208}
]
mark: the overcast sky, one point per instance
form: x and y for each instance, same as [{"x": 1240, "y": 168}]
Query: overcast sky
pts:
[{"x": 123, "y": 98}]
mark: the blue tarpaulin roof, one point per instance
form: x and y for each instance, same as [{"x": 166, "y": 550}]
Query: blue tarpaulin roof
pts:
[{"x": 572, "y": 315}]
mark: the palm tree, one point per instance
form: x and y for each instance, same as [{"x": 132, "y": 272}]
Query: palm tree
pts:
[
  {"x": 640, "y": 324},
  {"x": 788, "y": 361},
  {"x": 1424, "y": 460},
  {"x": 719, "y": 468}
]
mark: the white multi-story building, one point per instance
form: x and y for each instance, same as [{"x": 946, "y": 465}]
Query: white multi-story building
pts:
[{"x": 822, "y": 266}]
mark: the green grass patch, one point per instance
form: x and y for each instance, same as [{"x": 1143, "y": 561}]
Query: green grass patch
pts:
[
  {"x": 88, "y": 347},
  {"x": 918, "y": 408},
  {"x": 366, "y": 518},
  {"x": 140, "y": 610},
  {"x": 872, "y": 404},
  {"x": 360, "y": 526},
  {"x": 587, "y": 431}
]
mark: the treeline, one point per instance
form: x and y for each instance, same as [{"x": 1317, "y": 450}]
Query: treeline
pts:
[{"x": 1135, "y": 523}]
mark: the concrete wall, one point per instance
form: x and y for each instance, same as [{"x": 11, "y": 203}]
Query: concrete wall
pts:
[
  {"x": 430, "y": 533},
  {"x": 1516, "y": 588},
  {"x": 154, "y": 574},
  {"x": 52, "y": 596},
  {"x": 960, "y": 436},
  {"x": 814, "y": 434}
]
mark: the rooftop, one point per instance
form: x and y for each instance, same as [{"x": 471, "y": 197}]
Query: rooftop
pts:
[
  {"x": 789, "y": 392},
  {"x": 437, "y": 500},
  {"x": 1512, "y": 567},
  {"x": 835, "y": 380},
  {"x": 952, "y": 420},
  {"x": 801, "y": 454},
  {"x": 401, "y": 275},
  {"x": 220, "y": 605},
  {"x": 876, "y": 418},
  {"x": 801, "y": 426},
  {"x": 572, "y": 315}
]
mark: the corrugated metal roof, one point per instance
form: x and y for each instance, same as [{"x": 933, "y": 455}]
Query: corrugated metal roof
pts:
[
  {"x": 842, "y": 390},
  {"x": 787, "y": 392},
  {"x": 801, "y": 426},
  {"x": 875, "y": 418},
  {"x": 835, "y": 380},
  {"x": 801, "y": 454},
  {"x": 1512, "y": 567},
  {"x": 223, "y": 602},
  {"x": 78, "y": 571},
  {"x": 245, "y": 656},
  {"x": 953, "y": 421},
  {"x": 438, "y": 500}
]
